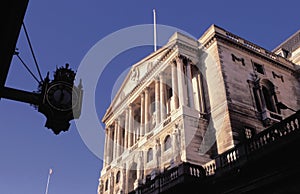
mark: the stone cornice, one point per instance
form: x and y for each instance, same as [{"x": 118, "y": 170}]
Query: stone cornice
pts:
[{"x": 215, "y": 33}]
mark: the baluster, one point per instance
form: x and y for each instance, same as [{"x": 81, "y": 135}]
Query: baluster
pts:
[
  {"x": 296, "y": 121},
  {"x": 287, "y": 128}
]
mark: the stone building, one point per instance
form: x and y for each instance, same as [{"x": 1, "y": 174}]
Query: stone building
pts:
[{"x": 193, "y": 105}]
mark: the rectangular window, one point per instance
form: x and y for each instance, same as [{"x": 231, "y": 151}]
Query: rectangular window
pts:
[{"x": 259, "y": 68}]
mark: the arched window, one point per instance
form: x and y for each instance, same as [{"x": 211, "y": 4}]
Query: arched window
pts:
[
  {"x": 265, "y": 97},
  {"x": 167, "y": 143},
  {"x": 268, "y": 97},
  {"x": 118, "y": 177},
  {"x": 150, "y": 155}
]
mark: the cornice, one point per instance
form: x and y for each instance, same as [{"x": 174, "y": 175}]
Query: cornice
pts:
[{"x": 251, "y": 48}]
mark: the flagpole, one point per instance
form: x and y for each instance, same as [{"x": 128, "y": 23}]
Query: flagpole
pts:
[
  {"x": 154, "y": 21},
  {"x": 50, "y": 172}
]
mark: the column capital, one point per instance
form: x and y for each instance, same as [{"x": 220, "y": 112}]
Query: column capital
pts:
[
  {"x": 156, "y": 78},
  {"x": 147, "y": 89},
  {"x": 161, "y": 75},
  {"x": 189, "y": 62},
  {"x": 142, "y": 95},
  {"x": 173, "y": 63},
  {"x": 111, "y": 127},
  {"x": 131, "y": 105},
  {"x": 121, "y": 118},
  {"x": 179, "y": 58}
]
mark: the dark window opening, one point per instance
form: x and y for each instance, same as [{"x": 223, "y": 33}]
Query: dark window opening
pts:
[
  {"x": 167, "y": 143},
  {"x": 118, "y": 177},
  {"x": 257, "y": 102},
  {"x": 106, "y": 185},
  {"x": 268, "y": 99},
  {"x": 169, "y": 93},
  {"x": 150, "y": 155},
  {"x": 259, "y": 68}
]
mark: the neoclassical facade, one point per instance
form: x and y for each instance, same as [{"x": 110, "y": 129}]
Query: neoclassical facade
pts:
[{"x": 192, "y": 100}]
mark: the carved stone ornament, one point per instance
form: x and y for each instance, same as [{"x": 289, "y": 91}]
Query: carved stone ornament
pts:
[
  {"x": 122, "y": 95},
  {"x": 149, "y": 66},
  {"x": 135, "y": 74},
  {"x": 235, "y": 58}
]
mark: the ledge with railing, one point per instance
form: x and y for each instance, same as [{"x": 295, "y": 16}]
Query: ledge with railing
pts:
[
  {"x": 277, "y": 134},
  {"x": 182, "y": 173}
]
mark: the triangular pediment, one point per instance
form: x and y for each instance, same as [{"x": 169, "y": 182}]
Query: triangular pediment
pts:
[{"x": 137, "y": 73}]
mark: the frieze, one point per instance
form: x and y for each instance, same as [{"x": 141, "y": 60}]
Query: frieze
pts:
[{"x": 264, "y": 56}]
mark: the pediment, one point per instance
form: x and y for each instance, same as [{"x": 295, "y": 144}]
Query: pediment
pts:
[{"x": 137, "y": 73}]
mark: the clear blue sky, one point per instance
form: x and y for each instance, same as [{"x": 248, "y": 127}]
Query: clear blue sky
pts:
[{"x": 63, "y": 31}]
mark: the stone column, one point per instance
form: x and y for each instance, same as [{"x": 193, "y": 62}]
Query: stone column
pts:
[
  {"x": 262, "y": 99},
  {"x": 110, "y": 144},
  {"x": 176, "y": 142},
  {"x": 123, "y": 180},
  {"x": 115, "y": 142},
  {"x": 157, "y": 153},
  {"x": 120, "y": 135},
  {"x": 162, "y": 96},
  {"x": 140, "y": 166},
  {"x": 189, "y": 85},
  {"x": 201, "y": 93},
  {"x": 175, "y": 86},
  {"x": 142, "y": 120},
  {"x": 111, "y": 183},
  {"x": 157, "y": 102},
  {"x": 130, "y": 131},
  {"x": 182, "y": 93},
  {"x": 105, "y": 154},
  {"x": 147, "y": 109},
  {"x": 126, "y": 129}
]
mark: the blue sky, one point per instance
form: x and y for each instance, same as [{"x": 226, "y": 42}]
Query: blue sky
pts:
[{"x": 63, "y": 32}]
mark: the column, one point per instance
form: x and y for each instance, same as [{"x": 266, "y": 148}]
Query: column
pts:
[
  {"x": 147, "y": 109},
  {"x": 189, "y": 85},
  {"x": 176, "y": 142},
  {"x": 126, "y": 129},
  {"x": 142, "y": 120},
  {"x": 111, "y": 183},
  {"x": 130, "y": 131},
  {"x": 181, "y": 83},
  {"x": 110, "y": 144},
  {"x": 120, "y": 133},
  {"x": 201, "y": 93},
  {"x": 115, "y": 142},
  {"x": 106, "y": 147},
  {"x": 140, "y": 166},
  {"x": 157, "y": 102},
  {"x": 261, "y": 99},
  {"x": 175, "y": 86},
  {"x": 162, "y": 96},
  {"x": 123, "y": 178},
  {"x": 157, "y": 153}
]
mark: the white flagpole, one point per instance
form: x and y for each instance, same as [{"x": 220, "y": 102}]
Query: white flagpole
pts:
[
  {"x": 50, "y": 172},
  {"x": 154, "y": 21}
]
